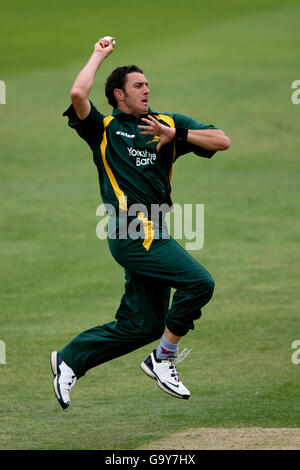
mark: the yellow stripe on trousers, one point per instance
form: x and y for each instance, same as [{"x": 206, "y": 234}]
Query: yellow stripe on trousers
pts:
[{"x": 148, "y": 230}]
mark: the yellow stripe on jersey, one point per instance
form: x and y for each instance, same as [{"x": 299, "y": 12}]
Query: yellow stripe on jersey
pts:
[
  {"x": 118, "y": 191},
  {"x": 171, "y": 169},
  {"x": 170, "y": 121}
]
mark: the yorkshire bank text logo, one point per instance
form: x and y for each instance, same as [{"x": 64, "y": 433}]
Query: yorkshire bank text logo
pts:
[{"x": 142, "y": 157}]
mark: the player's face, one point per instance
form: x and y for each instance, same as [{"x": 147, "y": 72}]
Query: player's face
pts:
[{"x": 136, "y": 94}]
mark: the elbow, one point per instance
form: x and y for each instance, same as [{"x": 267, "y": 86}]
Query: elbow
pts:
[
  {"x": 77, "y": 94},
  {"x": 222, "y": 141},
  {"x": 225, "y": 143}
]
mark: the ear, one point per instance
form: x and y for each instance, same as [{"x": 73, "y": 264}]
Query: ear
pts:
[{"x": 119, "y": 94}]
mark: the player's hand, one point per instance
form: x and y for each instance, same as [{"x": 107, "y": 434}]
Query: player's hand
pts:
[
  {"x": 104, "y": 46},
  {"x": 154, "y": 127}
]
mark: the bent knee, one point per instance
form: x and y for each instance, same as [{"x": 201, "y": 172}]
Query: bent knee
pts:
[
  {"x": 210, "y": 286},
  {"x": 204, "y": 287}
]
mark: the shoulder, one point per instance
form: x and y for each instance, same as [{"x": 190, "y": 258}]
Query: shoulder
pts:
[
  {"x": 187, "y": 122},
  {"x": 93, "y": 116},
  {"x": 176, "y": 119},
  {"x": 166, "y": 118}
]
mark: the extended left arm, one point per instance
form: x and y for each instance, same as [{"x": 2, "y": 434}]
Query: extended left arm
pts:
[{"x": 209, "y": 139}]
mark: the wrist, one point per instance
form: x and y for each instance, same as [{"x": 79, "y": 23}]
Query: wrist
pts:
[
  {"x": 99, "y": 54},
  {"x": 172, "y": 133},
  {"x": 181, "y": 135}
]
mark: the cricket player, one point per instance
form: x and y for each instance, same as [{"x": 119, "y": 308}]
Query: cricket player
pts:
[{"x": 134, "y": 150}]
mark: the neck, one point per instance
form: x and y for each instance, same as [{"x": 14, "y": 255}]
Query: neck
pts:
[{"x": 125, "y": 109}]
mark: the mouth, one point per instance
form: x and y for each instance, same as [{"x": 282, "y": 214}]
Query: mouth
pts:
[{"x": 145, "y": 101}]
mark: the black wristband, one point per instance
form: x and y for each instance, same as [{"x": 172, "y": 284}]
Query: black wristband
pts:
[{"x": 181, "y": 134}]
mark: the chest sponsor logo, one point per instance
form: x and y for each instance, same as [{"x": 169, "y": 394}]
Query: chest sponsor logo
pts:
[
  {"x": 124, "y": 134},
  {"x": 142, "y": 157},
  {"x": 155, "y": 139}
]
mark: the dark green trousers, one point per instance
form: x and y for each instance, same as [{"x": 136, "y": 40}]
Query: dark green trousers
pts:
[{"x": 144, "y": 310}]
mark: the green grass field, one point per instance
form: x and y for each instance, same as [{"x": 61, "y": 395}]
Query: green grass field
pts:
[{"x": 232, "y": 66}]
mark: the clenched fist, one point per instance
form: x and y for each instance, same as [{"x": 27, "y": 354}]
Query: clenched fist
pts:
[{"x": 105, "y": 46}]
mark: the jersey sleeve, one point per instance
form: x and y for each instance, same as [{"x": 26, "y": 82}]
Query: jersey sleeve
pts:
[
  {"x": 89, "y": 129},
  {"x": 188, "y": 123}
]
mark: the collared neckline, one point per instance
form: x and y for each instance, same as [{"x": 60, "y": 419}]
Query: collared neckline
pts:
[{"x": 121, "y": 115}]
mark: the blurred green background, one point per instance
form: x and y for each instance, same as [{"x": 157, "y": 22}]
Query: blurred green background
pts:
[{"x": 227, "y": 63}]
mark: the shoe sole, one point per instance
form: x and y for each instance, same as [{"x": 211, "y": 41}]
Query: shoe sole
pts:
[
  {"x": 53, "y": 364},
  {"x": 151, "y": 374}
]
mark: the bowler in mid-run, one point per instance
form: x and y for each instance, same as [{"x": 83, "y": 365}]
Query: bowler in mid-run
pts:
[{"x": 134, "y": 150}]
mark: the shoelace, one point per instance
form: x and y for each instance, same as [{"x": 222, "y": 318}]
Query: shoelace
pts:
[
  {"x": 69, "y": 382},
  {"x": 72, "y": 380},
  {"x": 175, "y": 360},
  {"x": 184, "y": 353}
]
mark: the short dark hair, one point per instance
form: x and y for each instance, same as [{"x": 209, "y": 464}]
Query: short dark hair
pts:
[{"x": 117, "y": 79}]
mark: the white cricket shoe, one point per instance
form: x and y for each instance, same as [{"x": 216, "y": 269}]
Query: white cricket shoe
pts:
[
  {"x": 64, "y": 379},
  {"x": 165, "y": 373}
]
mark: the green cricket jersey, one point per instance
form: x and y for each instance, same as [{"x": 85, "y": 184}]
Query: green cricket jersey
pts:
[{"x": 129, "y": 168}]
